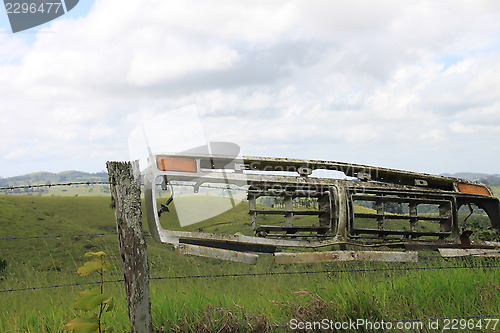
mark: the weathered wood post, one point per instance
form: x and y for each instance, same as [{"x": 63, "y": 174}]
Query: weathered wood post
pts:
[{"x": 126, "y": 195}]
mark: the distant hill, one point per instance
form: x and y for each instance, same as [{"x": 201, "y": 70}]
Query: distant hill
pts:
[
  {"x": 467, "y": 175},
  {"x": 47, "y": 178},
  {"x": 493, "y": 180},
  {"x": 43, "y": 178}
]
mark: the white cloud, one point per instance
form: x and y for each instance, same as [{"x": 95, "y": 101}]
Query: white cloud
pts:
[
  {"x": 12, "y": 48},
  {"x": 173, "y": 60},
  {"x": 461, "y": 128},
  {"x": 340, "y": 80}
]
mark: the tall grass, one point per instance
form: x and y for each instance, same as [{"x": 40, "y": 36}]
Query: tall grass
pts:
[
  {"x": 252, "y": 303},
  {"x": 387, "y": 295},
  {"x": 377, "y": 291}
]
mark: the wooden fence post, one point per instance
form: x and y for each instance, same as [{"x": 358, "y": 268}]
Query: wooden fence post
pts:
[{"x": 126, "y": 195}]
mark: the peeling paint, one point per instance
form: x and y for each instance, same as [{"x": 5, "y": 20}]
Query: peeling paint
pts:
[{"x": 338, "y": 221}]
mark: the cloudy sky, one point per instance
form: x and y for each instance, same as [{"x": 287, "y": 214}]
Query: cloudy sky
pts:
[{"x": 402, "y": 84}]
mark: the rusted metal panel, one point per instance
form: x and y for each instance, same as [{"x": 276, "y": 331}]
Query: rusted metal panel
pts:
[
  {"x": 365, "y": 172},
  {"x": 242, "y": 239},
  {"x": 329, "y": 256},
  {"x": 423, "y": 244},
  {"x": 211, "y": 252},
  {"x": 486, "y": 244},
  {"x": 449, "y": 253},
  {"x": 337, "y": 223}
]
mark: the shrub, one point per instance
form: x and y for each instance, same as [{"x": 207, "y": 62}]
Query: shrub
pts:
[{"x": 94, "y": 300}]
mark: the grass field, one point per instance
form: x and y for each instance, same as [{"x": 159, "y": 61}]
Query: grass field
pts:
[
  {"x": 496, "y": 190},
  {"x": 372, "y": 291}
]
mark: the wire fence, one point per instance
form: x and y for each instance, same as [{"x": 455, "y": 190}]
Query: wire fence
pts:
[
  {"x": 57, "y": 236},
  {"x": 185, "y": 184},
  {"x": 240, "y": 275},
  {"x": 492, "y": 265},
  {"x": 10, "y": 188}
]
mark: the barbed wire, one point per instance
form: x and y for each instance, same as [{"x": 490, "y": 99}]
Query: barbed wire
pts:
[
  {"x": 320, "y": 272},
  {"x": 60, "y": 286},
  {"x": 58, "y": 236},
  {"x": 146, "y": 234},
  {"x": 108, "y": 183},
  {"x": 236, "y": 275},
  {"x": 53, "y": 185}
]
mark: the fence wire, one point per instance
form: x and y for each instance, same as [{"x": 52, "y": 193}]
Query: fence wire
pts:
[
  {"x": 57, "y": 236},
  {"x": 18, "y": 187},
  {"x": 239, "y": 275},
  {"x": 52, "y": 185},
  {"x": 60, "y": 286}
]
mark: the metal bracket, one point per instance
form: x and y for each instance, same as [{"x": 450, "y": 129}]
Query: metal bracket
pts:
[
  {"x": 452, "y": 253},
  {"x": 330, "y": 256},
  {"x": 216, "y": 253}
]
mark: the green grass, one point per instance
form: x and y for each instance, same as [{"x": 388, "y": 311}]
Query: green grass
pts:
[
  {"x": 496, "y": 190},
  {"x": 215, "y": 304},
  {"x": 375, "y": 295},
  {"x": 195, "y": 304}
]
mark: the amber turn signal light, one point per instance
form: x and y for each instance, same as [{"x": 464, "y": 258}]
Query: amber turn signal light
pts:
[
  {"x": 175, "y": 163},
  {"x": 473, "y": 189}
]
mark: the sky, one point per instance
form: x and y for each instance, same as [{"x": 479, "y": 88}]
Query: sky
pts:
[{"x": 412, "y": 85}]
